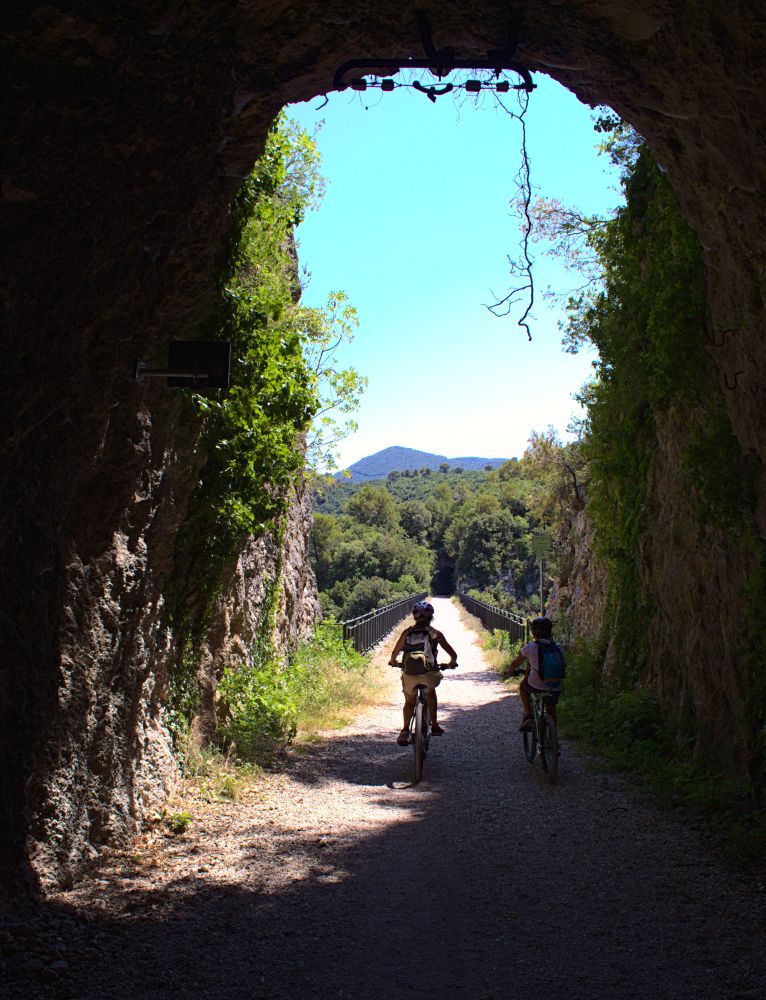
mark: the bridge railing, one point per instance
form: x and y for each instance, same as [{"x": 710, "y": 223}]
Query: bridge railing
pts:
[
  {"x": 496, "y": 618},
  {"x": 365, "y": 630}
]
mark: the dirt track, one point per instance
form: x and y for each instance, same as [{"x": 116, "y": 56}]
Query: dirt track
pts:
[{"x": 339, "y": 876}]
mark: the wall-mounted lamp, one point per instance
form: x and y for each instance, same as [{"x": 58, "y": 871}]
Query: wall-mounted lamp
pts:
[{"x": 192, "y": 364}]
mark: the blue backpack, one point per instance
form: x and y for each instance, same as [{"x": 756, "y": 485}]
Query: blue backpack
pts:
[{"x": 552, "y": 665}]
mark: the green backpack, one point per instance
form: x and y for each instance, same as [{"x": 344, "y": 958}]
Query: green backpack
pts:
[{"x": 419, "y": 654}]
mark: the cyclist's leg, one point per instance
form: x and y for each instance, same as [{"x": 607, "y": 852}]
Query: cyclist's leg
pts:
[
  {"x": 434, "y": 680},
  {"x": 526, "y": 706},
  {"x": 433, "y": 705},
  {"x": 551, "y": 707},
  {"x": 408, "y": 710}
]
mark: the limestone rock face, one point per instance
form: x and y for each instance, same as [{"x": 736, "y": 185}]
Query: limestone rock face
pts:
[
  {"x": 105, "y": 766},
  {"x": 276, "y": 560},
  {"x": 696, "y": 577},
  {"x": 579, "y": 604},
  {"x": 125, "y": 138}
]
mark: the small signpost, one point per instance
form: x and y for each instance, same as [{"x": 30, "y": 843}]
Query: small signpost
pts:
[{"x": 541, "y": 545}]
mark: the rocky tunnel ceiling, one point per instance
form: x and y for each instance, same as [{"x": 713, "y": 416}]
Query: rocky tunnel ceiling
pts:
[
  {"x": 130, "y": 133},
  {"x": 127, "y": 130}
]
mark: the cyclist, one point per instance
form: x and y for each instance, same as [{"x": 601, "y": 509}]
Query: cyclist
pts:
[
  {"x": 422, "y": 612},
  {"x": 542, "y": 632}
]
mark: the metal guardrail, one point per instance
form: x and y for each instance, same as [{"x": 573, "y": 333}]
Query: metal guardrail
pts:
[
  {"x": 367, "y": 629},
  {"x": 496, "y": 618}
]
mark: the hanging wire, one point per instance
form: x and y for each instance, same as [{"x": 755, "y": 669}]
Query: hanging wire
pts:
[
  {"x": 434, "y": 90},
  {"x": 521, "y": 270},
  {"x": 521, "y": 267}
]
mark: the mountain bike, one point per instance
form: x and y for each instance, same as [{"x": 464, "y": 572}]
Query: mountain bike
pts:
[
  {"x": 420, "y": 725},
  {"x": 542, "y": 737}
]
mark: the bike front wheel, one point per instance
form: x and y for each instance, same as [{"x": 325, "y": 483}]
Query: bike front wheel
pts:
[
  {"x": 549, "y": 747},
  {"x": 420, "y": 738}
]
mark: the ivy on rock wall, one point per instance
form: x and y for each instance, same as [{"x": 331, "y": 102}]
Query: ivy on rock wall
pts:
[
  {"x": 251, "y": 432},
  {"x": 255, "y": 436},
  {"x": 647, "y": 320},
  {"x": 646, "y": 325}
]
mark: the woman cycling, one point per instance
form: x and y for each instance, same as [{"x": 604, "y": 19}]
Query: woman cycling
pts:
[{"x": 420, "y": 643}]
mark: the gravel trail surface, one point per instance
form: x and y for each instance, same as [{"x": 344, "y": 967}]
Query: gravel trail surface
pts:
[{"x": 339, "y": 878}]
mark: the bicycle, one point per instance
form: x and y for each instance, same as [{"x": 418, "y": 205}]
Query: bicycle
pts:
[
  {"x": 420, "y": 724},
  {"x": 543, "y": 736}
]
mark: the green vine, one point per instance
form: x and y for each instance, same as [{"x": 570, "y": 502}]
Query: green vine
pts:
[
  {"x": 645, "y": 324},
  {"x": 250, "y": 441},
  {"x": 724, "y": 480}
]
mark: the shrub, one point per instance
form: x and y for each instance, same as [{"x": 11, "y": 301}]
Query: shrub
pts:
[
  {"x": 178, "y": 822},
  {"x": 259, "y": 709},
  {"x": 327, "y": 675},
  {"x": 262, "y": 706}
]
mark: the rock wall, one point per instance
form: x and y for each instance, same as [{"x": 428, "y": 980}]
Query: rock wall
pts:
[
  {"x": 107, "y": 766},
  {"x": 239, "y": 621},
  {"x": 696, "y": 577},
  {"x": 578, "y": 603},
  {"x": 689, "y": 569},
  {"x": 127, "y": 131}
]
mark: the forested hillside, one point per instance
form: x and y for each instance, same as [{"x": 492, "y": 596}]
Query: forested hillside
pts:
[
  {"x": 436, "y": 531},
  {"x": 397, "y": 459}
]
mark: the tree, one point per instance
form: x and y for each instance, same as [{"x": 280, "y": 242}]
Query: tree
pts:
[
  {"x": 416, "y": 519},
  {"x": 486, "y": 503},
  {"x": 561, "y": 471},
  {"x": 510, "y": 469},
  {"x": 366, "y": 595},
  {"x": 373, "y": 505},
  {"x": 324, "y": 542},
  {"x": 337, "y": 390}
]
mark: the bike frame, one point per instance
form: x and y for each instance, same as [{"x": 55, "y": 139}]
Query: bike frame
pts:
[
  {"x": 535, "y": 742},
  {"x": 538, "y": 702},
  {"x": 421, "y": 703}
]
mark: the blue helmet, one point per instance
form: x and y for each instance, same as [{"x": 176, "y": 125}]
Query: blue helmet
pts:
[{"x": 423, "y": 610}]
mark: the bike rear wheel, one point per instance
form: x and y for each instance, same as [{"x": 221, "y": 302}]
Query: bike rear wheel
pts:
[
  {"x": 549, "y": 747},
  {"x": 420, "y": 738}
]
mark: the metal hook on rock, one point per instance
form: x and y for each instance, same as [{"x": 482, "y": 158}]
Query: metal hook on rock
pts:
[
  {"x": 712, "y": 339},
  {"x": 736, "y": 379}
]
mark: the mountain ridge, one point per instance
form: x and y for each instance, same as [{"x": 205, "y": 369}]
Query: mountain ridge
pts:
[{"x": 397, "y": 458}]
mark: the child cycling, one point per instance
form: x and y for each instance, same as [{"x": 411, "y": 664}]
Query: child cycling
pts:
[
  {"x": 420, "y": 643},
  {"x": 542, "y": 635}
]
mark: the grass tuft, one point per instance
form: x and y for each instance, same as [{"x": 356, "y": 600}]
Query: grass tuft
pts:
[
  {"x": 178, "y": 822},
  {"x": 629, "y": 733}
]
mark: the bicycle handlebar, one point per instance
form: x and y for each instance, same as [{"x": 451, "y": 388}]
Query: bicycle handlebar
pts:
[{"x": 439, "y": 666}]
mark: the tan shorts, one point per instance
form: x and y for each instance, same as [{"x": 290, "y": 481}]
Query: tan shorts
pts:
[{"x": 410, "y": 681}]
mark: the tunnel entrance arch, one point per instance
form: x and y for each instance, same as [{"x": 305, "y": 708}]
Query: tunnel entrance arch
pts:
[{"x": 126, "y": 140}]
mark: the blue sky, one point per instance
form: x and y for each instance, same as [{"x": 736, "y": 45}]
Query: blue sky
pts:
[{"x": 416, "y": 228}]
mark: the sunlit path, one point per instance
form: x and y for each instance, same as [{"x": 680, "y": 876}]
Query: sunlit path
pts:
[{"x": 343, "y": 880}]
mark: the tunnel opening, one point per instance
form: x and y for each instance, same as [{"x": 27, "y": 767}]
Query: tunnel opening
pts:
[{"x": 125, "y": 148}]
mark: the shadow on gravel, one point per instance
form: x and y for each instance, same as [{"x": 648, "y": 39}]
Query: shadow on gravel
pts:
[{"x": 483, "y": 866}]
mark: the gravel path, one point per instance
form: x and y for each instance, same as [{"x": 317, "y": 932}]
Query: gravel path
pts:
[{"x": 337, "y": 875}]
